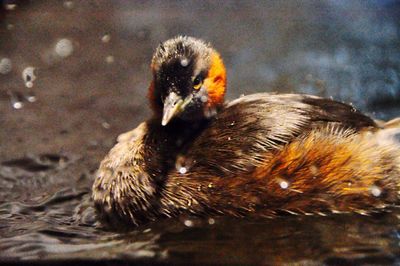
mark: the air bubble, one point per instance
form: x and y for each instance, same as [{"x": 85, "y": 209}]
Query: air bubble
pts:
[
  {"x": 5, "y": 66},
  {"x": 211, "y": 221},
  {"x": 64, "y": 48}
]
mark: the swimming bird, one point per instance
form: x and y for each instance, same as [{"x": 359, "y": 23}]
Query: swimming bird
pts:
[{"x": 260, "y": 155}]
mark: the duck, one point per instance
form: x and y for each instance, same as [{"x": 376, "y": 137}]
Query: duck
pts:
[{"x": 260, "y": 155}]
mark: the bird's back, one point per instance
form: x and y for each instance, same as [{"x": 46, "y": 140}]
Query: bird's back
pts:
[
  {"x": 268, "y": 153},
  {"x": 237, "y": 139}
]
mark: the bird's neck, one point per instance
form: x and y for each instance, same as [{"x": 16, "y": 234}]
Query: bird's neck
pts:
[{"x": 183, "y": 132}]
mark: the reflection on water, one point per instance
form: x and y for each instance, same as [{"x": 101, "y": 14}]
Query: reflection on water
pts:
[{"x": 74, "y": 75}]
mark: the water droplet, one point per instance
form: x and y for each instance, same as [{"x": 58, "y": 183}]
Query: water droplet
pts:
[
  {"x": 182, "y": 170},
  {"x": 204, "y": 98},
  {"x": 314, "y": 170},
  {"x": 376, "y": 191},
  {"x": 31, "y": 97},
  {"x": 183, "y": 164},
  {"x": 229, "y": 138},
  {"x": 184, "y": 62},
  {"x": 210, "y": 185},
  {"x": 189, "y": 202},
  {"x": 64, "y": 48},
  {"x": 233, "y": 123},
  {"x": 5, "y": 66},
  {"x": 10, "y": 7},
  {"x": 106, "y": 38},
  {"x": 95, "y": 143},
  {"x": 188, "y": 223},
  {"x": 110, "y": 59},
  {"x": 199, "y": 188},
  {"x": 28, "y": 75},
  {"x": 68, "y": 4},
  {"x": 29, "y": 84},
  {"x": 17, "y": 104},
  {"x": 309, "y": 78},
  {"x": 16, "y": 100},
  {"x": 284, "y": 184},
  {"x": 362, "y": 212},
  {"x": 105, "y": 125},
  {"x": 211, "y": 221},
  {"x": 210, "y": 112}
]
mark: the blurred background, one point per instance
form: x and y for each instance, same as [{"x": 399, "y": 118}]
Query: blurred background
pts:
[{"x": 74, "y": 75}]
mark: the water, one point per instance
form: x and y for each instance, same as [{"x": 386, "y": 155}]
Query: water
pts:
[{"x": 91, "y": 61}]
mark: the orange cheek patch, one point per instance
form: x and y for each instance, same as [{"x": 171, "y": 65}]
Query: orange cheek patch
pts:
[{"x": 216, "y": 81}]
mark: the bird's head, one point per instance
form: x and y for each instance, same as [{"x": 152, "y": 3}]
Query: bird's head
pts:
[{"x": 189, "y": 80}]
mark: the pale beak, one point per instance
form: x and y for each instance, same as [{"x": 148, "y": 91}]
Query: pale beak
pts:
[{"x": 173, "y": 105}]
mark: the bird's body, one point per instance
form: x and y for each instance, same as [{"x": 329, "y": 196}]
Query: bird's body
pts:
[{"x": 259, "y": 155}]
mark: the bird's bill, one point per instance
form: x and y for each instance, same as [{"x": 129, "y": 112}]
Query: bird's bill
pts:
[{"x": 173, "y": 106}]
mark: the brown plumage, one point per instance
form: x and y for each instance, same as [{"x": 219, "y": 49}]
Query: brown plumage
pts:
[{"x": 259, "y": 155}]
